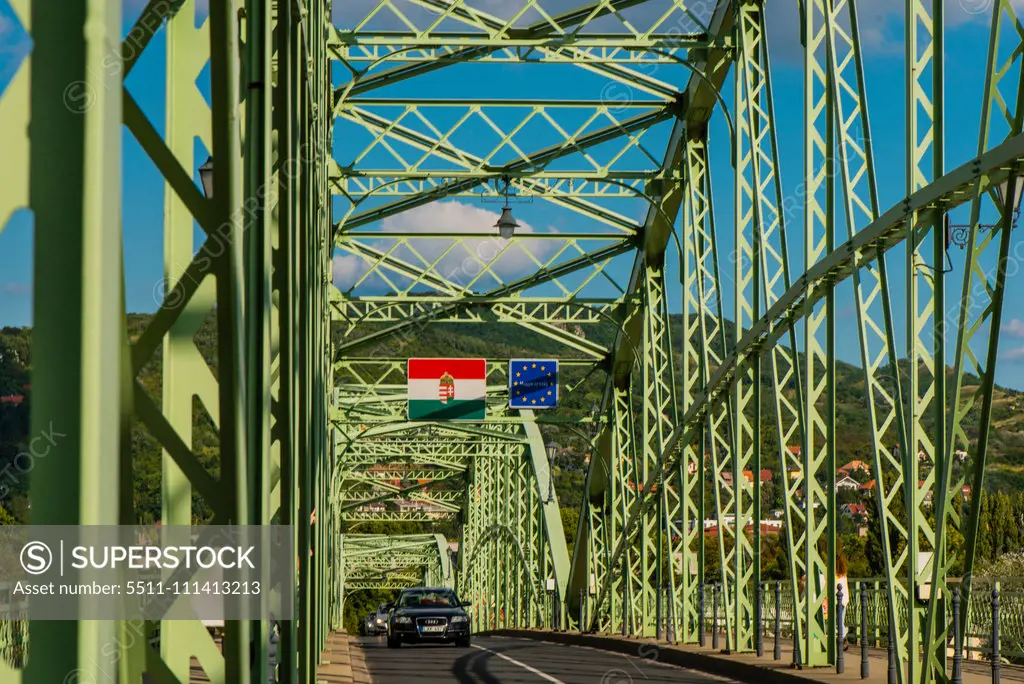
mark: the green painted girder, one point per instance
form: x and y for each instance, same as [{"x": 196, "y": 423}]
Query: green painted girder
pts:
[
  {"x": 396, "y": 516},
  {"x": 392, "y": 561},
  {"x": 492, "y": 32},
  {"x": 888, "y": 231},
  {"x": 444, "y": 501},
  {"x": 549, "y": 273},
  {"x": 353, "y": 313},
  {"x": 700, "y": 99},
  {"x": 631, "y": 128},
  {"x": 88, "y": 381},
  {"x": 407, "y": 474}
]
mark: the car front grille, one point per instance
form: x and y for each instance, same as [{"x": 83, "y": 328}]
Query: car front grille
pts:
[{"x": 431, "y": 622}]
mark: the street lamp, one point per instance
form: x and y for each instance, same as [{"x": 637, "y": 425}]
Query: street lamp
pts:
[
  {"x": 956, "y": 234},
  {"x": 206, "y": 176},
  {"x": 595, "y": 424},
  {"x": 550, "y": 448},
  {"x": 506, "y": 225},
  {"x": 1001, "y": 193}
]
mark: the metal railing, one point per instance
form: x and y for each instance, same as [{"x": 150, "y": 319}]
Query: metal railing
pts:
[{"x": 991, "y": 619}]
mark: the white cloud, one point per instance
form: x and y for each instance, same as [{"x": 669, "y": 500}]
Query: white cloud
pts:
[
  {"x": 460, "y": 265},
  {"x": 1014, "y": 354},
  {"x": 1014, "y": 328},
  {"x": 347, "y": 269}
]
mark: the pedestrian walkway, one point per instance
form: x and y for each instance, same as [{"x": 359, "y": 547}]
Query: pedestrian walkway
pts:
[
  {"x": 342, "y": 663},
  {"x": 750, "y": 667}
]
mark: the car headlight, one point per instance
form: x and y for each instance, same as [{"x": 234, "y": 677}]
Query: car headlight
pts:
[
  {"x": 459, "y": 618},
  {"x": 380, "y": 620},
  {"x": 403, "y": 620}
]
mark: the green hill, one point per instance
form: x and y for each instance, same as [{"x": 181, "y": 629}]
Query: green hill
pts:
[{"x": 853, "y": 438}]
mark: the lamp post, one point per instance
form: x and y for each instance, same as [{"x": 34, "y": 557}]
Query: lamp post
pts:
[
  {"x": 956, "y": 234},
  {"x": 549, "y": 449},
  {"x": 206, "y": 176},
  {"x": 506, "y": 225}
]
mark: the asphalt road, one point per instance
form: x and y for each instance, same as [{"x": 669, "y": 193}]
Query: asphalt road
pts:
[{"x": 500, "y": 660}]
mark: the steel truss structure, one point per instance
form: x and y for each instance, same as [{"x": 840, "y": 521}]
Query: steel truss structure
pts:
[
  {"x": 394, "y": 561},
  {"x": 317, "y": 161}
]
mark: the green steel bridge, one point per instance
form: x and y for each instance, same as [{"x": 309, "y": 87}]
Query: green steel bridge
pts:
[{"x": 329, "y": 124}]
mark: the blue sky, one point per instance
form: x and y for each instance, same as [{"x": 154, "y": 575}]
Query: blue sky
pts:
[{"x": 882, "y": 30}]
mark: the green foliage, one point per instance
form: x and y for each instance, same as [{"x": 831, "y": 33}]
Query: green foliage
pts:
[{"x": 570, "y": 523}]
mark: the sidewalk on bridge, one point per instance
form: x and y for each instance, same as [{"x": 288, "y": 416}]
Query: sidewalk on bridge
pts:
[
  {"x": 748, "y": 666},
  {"x": 341, "y": 663}
]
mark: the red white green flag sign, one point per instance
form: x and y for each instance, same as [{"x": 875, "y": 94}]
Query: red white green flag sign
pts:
[{"x": 447, "y": 389}]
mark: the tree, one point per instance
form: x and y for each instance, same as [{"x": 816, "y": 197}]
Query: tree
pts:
[
  {"x": 873, "y": 549},
  {"x": 984, "y": 546},
  {"x": 570, "y": 522}
]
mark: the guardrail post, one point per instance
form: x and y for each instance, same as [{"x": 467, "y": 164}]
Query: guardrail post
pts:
[
  {"x": 878, "y": 619},
  {"x": 840, "y": 616},
  {"x": 670, "y": 615},
  {"x": 957, "y": 653},
  {"x": 890, "y": 647},
  {"x": 759, "y": 618},
  {"x": 583, "y": 608},
  {"x": 701, "y": 620},
  {"x": 864, "y": 664},
  {"x": 714, "y": 617},
  {"x": 777, "y": 655},
  {"x": 625, "y": 617},
  {"x": 659, "y": 613},
  {"x": 796, "y": 641},
  {"x": 995, "y": 634},
  {"x": 515, "y": 607}
]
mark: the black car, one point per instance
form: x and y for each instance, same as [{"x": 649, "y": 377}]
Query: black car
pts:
[{"x": 428, "y": 615}]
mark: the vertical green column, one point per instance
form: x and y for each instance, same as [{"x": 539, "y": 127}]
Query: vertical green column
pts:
[
  {"x": 624, "y": 457},
  {"x": 227, "y": 203},
  {"x": 284, "y": 280},
  {"x": 818, "y": 445},
  {"x": 690, "y": 475},
  {"x": 78, "y": 336},
  {"x": 303, "y": 263},
  {"x": 926, "y": 357},
  {"x": 186, "y": 118},
  {"x": 658, "y": 421},
  {"x": 258, "y": 304}
]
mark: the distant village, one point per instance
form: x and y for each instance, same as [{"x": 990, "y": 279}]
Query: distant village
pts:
[{"x": 852, "y": 478}]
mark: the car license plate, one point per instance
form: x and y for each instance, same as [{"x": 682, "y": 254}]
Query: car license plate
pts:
[{"x": 432, "y": 628}]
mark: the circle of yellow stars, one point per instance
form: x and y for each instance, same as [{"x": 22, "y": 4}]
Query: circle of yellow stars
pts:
[{"x": 533, "y": 366}]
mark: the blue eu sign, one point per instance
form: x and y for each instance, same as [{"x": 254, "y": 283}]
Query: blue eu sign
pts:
[{"x": 532, "y": 383}]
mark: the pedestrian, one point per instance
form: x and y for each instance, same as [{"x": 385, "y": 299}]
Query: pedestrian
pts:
[{"x": 841, "y": 581}]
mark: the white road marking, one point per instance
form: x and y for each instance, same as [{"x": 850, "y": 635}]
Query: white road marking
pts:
[{"x": 534, "y": 670}]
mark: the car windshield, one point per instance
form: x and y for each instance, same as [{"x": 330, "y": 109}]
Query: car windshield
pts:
[{"x": 417, "y": 599}]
